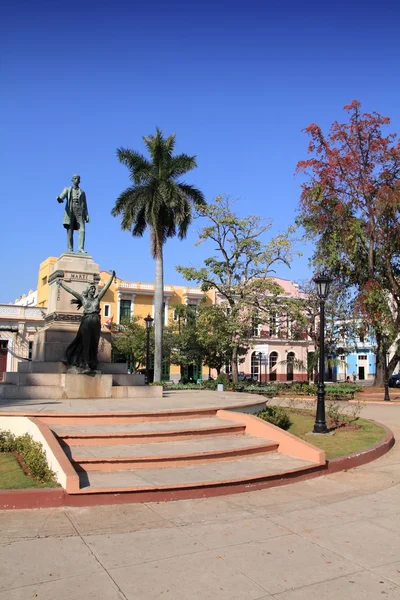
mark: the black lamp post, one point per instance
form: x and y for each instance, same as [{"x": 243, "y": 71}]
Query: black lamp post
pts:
[
  {"x": 323, "y": 282},
  {"x": 149, "y": 322},
  {"x": 385, "y": 340},
  {"x": 259, "y": 367}
]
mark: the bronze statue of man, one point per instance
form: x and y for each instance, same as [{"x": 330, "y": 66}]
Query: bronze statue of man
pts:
[{"x": 75, "y": 213}]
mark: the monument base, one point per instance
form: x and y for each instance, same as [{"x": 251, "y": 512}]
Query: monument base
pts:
[
  {"x": 47, "y": 376},
  {"x": 51, "y": 343}
]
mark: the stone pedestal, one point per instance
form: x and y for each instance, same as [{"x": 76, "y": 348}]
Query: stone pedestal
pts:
[
  {"x": 47, "y": 376},
  {"x": 87, "y": 386},
  {"x": 77, "y": 271},
  {"x": 51, "y": 343}
]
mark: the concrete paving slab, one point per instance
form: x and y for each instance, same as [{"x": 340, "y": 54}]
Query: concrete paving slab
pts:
[
  {"x": 118, "y": 518},
  {"x": 37, "y": 561},
  {"x": 202, "y": 576},
  {"x": 365, "y": 585},
  {"x": 286, "y": 562},
  {"x": 202, "y": 510},
  {"x": 272, "y": 501},
  {"x": 19, "y": 525},
  {"x": 322, "y": 487},
  {"x": 98, "y": 586},
  {"x": 307, "y": 519},
  {"x": 367, "y": 506},
  {"x": 232, "y": 532},
  {"x": 125, "y": 549},
  {"x": 390, "y": 572},
  {"x": 363, "y": 542}
]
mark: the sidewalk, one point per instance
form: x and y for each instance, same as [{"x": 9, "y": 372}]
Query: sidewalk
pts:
[
  {"x": 376, "y": 394},
  {"x": 332, "y": 537}
]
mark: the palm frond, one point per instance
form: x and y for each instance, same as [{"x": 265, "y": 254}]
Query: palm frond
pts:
[
  {"x": 141, "y": 170},
  {"x": 193, "y": 194},
  {"x": 180, "y": 165},
  {"x": 122, "y": 201}
]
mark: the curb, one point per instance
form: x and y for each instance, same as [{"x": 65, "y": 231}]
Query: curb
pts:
[{"x": 56, "y": 497}]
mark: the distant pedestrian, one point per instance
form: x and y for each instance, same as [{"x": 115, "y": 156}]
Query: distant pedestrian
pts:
[{"x": 348, "y": 379}]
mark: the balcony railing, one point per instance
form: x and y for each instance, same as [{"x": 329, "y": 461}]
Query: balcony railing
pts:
[
  {"x": 135, "y": 285},
  {"x": 10, "y": 311}
]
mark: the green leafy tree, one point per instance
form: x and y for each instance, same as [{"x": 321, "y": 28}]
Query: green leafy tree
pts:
[
  {"x": 159, "y": 201},
  {"x": 350, "y": 207},
  {"x": 240, "y": 272},
  {"x": 216, "y": 332},
  {"x": 186, "y": 347},
  {"x": 129, "y": 340},
  {"x": 342, "y": 323}
]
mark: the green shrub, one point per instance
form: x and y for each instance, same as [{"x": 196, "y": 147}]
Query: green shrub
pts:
[
  {"x": 32, "y": 454},
  {"x": 222, "y": 378},
  {"x": 263, "y": 390},
  {"x": 181, "y": 386},
  {"x": 209, "y": 384},
  {"x": 275, "y": 415}
]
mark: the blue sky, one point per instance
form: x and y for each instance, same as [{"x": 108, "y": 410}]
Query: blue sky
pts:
[{"x": 236, "y": 81}]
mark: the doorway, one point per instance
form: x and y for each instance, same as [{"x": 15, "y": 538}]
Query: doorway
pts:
[
  {"x": 3, "y": 357},
  {"x": 361, "y": 373}
]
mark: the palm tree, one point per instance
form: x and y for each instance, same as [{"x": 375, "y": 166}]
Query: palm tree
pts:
[{"x": 157, "y": 200}]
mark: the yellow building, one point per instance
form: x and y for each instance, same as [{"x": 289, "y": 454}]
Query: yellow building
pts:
[
  {"x": 127, "y": 299},
  {"x": 45, "y": 269}
]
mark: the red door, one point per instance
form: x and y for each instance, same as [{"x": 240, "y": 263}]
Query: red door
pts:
[{"x": 3, "y": 358}]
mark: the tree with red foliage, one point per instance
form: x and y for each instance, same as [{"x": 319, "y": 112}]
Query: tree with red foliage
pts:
[{"x": 350, "y": 207}]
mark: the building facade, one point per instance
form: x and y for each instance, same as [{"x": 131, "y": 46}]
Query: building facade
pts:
[
  {"x": 356, "y": 358},
  {"x": 273, "y": 353},
  {"x": 18, "y": 324}
]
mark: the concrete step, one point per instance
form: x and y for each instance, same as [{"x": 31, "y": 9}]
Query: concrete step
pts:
[
  {"x": 137, "y": 456},
  {"x": 37, "y": 366},
  {"x": 34, "y": 379},
  {"x": 136, "y": 433},
  {"x": 31, "y": 392},
  {"x": 230, "y": 472},
  {"x": 126, "y": 415}
]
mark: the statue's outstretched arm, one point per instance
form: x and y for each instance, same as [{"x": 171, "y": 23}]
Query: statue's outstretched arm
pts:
[
  {"x": 105, "y": 288},
  {"x": 68, "y": 289}
]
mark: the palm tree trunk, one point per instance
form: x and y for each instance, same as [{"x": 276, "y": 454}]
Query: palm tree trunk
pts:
[{"x": 158, "y": 315}]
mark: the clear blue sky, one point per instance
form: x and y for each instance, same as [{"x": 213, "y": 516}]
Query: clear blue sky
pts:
[{"x": 236, "y": 81}]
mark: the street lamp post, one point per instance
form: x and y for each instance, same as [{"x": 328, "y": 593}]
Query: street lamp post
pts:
[
  {"x": 385, "y": 340},
  {"x": 149, "y": 322},
  {"x": 259, "y": 367},
  {"x": 322, "y": 282}
]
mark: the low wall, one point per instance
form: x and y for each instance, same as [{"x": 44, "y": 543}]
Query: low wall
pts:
[{"x": 56, "y": 459}]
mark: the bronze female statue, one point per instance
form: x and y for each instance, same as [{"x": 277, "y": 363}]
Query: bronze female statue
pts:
[{"x": 82, "y": 351}]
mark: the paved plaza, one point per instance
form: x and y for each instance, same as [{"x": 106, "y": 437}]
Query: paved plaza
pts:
[{"x": 332, "y": 537}]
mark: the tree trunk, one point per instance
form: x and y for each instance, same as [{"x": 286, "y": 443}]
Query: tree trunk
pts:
[
  {"x": 235, "y": 370},
  {"x": 158, "y": 315}
]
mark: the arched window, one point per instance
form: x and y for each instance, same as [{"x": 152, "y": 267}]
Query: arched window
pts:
[
  {"x": 290, "y": 366},
  {"x": 273, "y": 360},
  {"x": 255, "y": 365}
]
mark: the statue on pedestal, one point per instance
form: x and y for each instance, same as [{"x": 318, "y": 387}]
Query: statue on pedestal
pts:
[
  {"x": 75, "y": 213},
  {"x": 82, "y": 351}
]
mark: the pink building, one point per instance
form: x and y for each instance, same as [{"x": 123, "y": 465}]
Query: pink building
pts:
[{"x": 274, "y": 353}]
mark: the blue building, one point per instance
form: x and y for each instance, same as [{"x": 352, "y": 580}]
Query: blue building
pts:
[{"x": 357, "y": 359}]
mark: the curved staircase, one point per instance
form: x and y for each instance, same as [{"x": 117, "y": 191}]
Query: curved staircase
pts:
[{"x": 154, "y": 456}]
